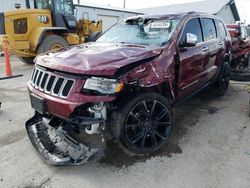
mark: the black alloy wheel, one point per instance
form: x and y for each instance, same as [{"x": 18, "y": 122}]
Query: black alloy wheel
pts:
[
  {"x": 147, "y": 124},
  {"x": 223, "y": 80}
]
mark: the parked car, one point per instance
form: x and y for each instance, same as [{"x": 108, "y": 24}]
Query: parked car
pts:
[
  {"x": 125, "y": 85},
  {"x": 240, "y": 52}
]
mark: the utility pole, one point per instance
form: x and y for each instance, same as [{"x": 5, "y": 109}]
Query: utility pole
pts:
[{"x": 124, "y": 4}]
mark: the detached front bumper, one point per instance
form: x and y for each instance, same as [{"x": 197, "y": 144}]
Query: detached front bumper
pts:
[
  {"x": 55, "y": 145},
  {"x": 69, "y": 128}
]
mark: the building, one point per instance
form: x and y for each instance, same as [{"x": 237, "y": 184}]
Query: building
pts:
[
  {"x": 109, "y": 15},
  {"x": 226, "y": 9}
]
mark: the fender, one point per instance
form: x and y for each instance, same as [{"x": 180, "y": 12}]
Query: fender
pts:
[{"x": 37, "y": 35}]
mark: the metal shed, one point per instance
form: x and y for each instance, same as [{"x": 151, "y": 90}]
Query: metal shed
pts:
[
  {"x": 226, "y": 9},
  {"x": 109, "y": 15}
]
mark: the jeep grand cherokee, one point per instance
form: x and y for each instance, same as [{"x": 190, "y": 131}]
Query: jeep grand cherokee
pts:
[{"x": 125, "y": 85}]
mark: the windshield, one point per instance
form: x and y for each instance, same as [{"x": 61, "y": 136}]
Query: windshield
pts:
[
  {"x": 60, "y": 6},
  {"x": 156, "y": 32},
  {"x": 43, "y": 4}
]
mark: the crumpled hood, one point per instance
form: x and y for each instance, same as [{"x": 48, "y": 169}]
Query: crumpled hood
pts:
[{"x": 96, "y": 58}]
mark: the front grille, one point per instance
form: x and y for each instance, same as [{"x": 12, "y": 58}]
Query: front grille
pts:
[
  {"x": 2, "y": 27},
  {"x": 51, "y": 84}
]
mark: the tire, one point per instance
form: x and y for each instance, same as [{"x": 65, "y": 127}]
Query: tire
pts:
[
  {"x": 143, "y": 125},
  {"x": 51, "y": 42},
  {"x": 243, "y": 75},
  {"x": 223, "y": 80},
  {"x": 27, "y": 60}
]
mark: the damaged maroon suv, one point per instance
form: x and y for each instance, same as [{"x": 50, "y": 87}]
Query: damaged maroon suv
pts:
[{"x": 124, "y": 86}]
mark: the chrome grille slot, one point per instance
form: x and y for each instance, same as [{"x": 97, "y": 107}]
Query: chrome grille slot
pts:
[
  {"x": 58, "y": 85},
  {"x": 32, "y": 76},
  {"x": 51, "y": 83},
  {"x": 38, "y": 79},
  {"x": 44, "y": 80},
  {"x": 35, "y": 76},
  {"x": 67, "y": 87}
]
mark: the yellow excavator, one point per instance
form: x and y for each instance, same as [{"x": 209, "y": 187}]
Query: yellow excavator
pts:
[{"x": 50, "y": 25}]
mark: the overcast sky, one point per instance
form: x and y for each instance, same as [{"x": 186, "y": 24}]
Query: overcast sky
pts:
[{"x": 242, "y": 5}]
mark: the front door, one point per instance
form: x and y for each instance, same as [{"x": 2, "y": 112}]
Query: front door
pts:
[{"x": 191, "y": 60}]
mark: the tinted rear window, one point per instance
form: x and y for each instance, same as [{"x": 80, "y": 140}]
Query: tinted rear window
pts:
[
  {"x": 209, "y": 30},
  {"x": 221, "y": 30}
]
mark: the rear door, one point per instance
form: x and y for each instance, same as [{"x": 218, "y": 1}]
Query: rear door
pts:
[
  {"x": 223, "y": 37},
  {"x": 191, "y": 59},
  {"x": 214, "y": 46}
]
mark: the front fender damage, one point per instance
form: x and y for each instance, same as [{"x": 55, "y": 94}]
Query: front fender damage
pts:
[
  {"x": 148, "y": 75},
  {"x": 55, "y": 145}
]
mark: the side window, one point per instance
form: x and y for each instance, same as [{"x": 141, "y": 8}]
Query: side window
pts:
[
  {"x": 221, "y": 30},
  {"x": 68, "y": 7},
  {"x": 43, "y": 4},
  {"x": 248, "y": 31},
  {"x": 193, "y": 26},
  {"x": 63, "y": 6},
  {"x": 209, "y": 30},
  {"x": 243, "y": 32},
  {"x": 59, "y": 6}
]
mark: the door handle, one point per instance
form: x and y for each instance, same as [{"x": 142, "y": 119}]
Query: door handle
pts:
[
  {"x": 204, "y": 49},
  {"x": 220, "y": 43}
]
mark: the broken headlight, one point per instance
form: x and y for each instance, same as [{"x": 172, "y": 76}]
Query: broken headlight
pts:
[{"x": 103, "y": 85}]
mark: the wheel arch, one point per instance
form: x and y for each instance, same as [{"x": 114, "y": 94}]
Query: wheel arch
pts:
[
  {"x": 227, "y": 57},
  {"x": 131, "y": 91},
  {"x": 120, "y": 115},
  {"x": 39, "y": 33}
]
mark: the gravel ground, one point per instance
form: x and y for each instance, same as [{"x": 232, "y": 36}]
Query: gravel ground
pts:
[{"x": 209, "y": 147}]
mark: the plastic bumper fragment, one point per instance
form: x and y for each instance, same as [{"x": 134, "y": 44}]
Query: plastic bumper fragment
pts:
[{"x": 55, "y": 146}]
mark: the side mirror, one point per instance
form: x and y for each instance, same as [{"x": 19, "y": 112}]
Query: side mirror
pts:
[{"x": 191, "y": 40}]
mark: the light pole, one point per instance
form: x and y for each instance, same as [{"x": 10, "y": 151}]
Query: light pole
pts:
[{"x": 124, "y": 4}]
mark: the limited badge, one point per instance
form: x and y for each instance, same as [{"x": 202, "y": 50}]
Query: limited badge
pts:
[{"x": 42, "y": 19}]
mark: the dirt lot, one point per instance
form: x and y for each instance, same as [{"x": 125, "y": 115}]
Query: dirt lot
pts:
[{"x": 210, "y": 147}]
